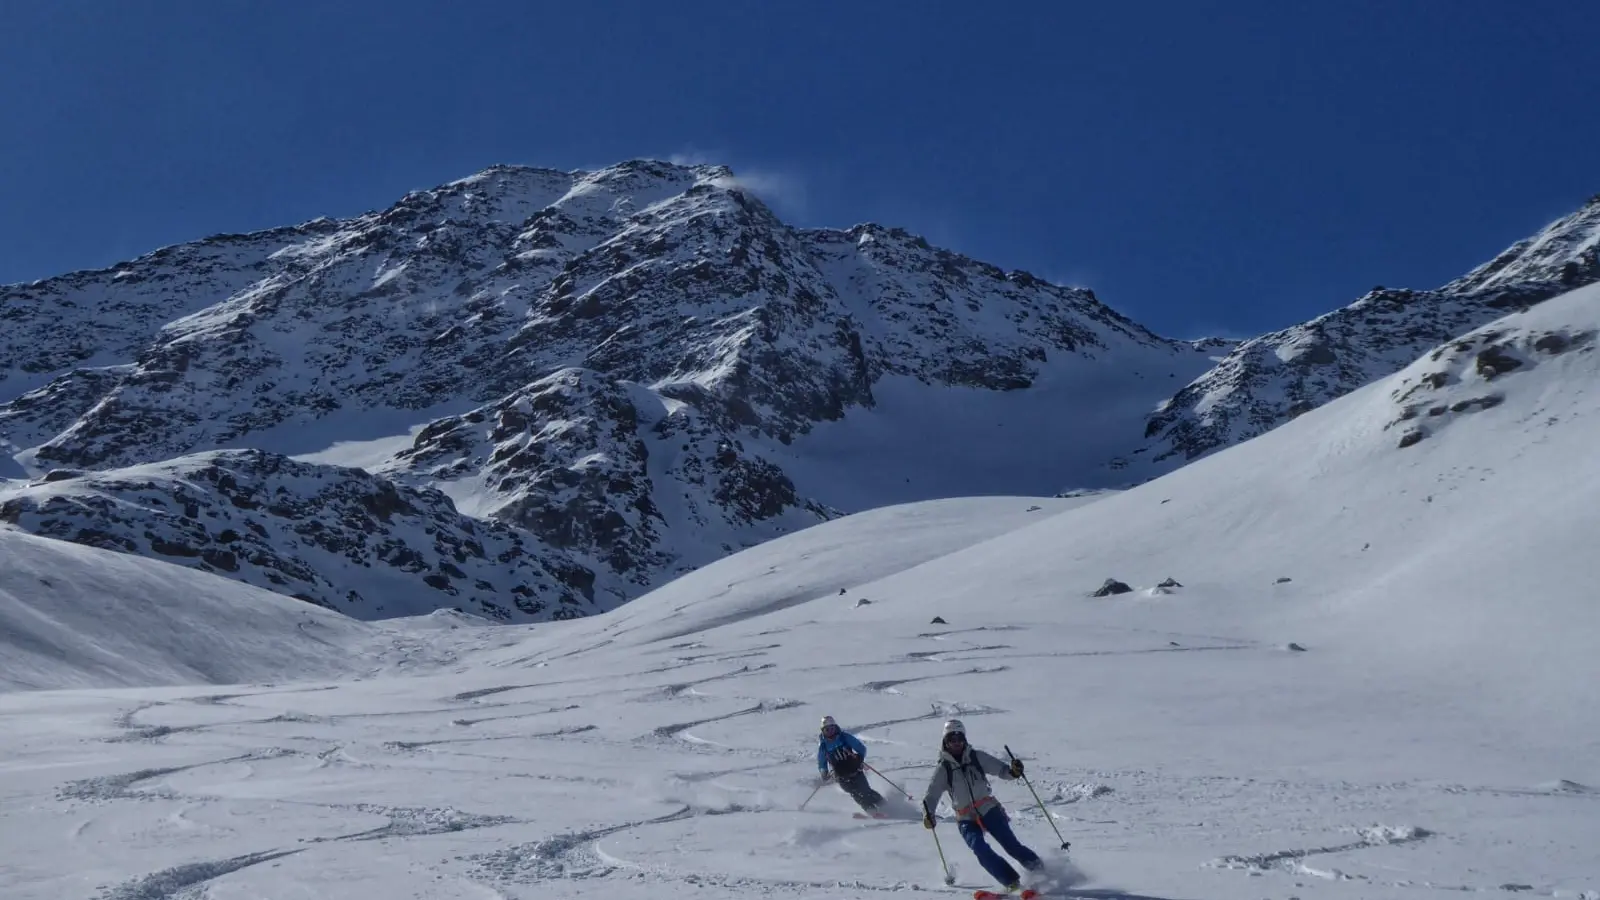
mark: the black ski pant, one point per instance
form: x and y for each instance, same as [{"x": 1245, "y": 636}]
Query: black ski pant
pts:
[{"x": 859, "y": 790}]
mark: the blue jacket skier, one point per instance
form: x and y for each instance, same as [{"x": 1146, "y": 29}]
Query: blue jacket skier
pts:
[
  {"x": 846, "y": 755},
  {"x": 962, "y": 772}
]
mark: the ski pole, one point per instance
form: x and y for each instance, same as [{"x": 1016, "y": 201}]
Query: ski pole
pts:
[
  {"x": 820, "y": 783},
  {"x": 1047, "y": 817},
  {"x": 948, "y": 878},
  {"x": 886, "y": 778}
]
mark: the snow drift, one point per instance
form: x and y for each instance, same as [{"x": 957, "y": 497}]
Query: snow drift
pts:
[{"x": 75, "y": 616}]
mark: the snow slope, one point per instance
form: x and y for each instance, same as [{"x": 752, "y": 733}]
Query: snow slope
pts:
[
  {"x": 79, "y": 616},
  {"x": 1435, "y": 730}
]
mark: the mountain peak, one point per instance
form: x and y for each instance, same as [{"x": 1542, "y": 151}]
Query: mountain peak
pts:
[{"x": 637, "y": 368}]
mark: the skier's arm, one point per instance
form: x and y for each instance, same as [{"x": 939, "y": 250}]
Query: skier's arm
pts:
[
  {"x": 930, "y": 800},
  {"x": 822, "y": 757},
  {"x": 991, "y": 765},
  {"x": 855, "y": 744}
]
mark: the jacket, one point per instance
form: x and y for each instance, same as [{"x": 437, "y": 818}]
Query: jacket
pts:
[
  {"x": 844, "y": 751},
  {"x": 966, "y": 779}
]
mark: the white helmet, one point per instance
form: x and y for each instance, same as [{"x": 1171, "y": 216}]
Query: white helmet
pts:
[
  {"x": 826, "y": 721},
  {"x": 954, "y": 726}
]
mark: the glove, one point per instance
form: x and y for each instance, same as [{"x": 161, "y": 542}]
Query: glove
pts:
[
  {"x": 927, "y": 821},
  {"x": 825, "y": 776},
  {"x": 1016, "y": 768}
]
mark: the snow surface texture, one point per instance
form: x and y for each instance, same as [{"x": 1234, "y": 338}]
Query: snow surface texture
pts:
[
  {"x": 1436, "y": 732},
  {"x": 1270, "y": 379},
  {"x": 640, "y": 369}
]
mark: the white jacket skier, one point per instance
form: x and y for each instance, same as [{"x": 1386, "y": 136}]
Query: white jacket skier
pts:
[
  {"x": 963, "y": 772},
  {"x": 965, "y": 777}
]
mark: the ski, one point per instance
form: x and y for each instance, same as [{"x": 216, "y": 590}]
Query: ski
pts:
[
  {"x": 866, "y": 816},
  {"x": 1025, "y": 894}
]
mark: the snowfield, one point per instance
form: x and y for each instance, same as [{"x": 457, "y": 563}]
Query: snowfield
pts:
[{"x": 1375, "y": 679}]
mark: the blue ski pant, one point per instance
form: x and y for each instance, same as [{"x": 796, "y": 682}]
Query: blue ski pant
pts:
[{"x": 998, "y": 826}]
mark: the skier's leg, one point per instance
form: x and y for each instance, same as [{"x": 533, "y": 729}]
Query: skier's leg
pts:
[
  {"x": 847, "y": 783},
  {"x": 865, "y": 795},
  {"x": 990, "y": 860},
  {"x": 860, "y": 791},
  {"x": 999, "y": 825},
  {"x": 875, "y": 798}
]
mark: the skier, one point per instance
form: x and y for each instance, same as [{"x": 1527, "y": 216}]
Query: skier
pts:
[
  {"x": 847, "y": 755},
  {"x": 962, "y": 771}
]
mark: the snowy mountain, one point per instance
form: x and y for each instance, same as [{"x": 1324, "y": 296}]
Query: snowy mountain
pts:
[
  {"x": 1350, "y": 664},
  {"x": 640, "y": 368},
  {"x": 1270, "y": 379}
]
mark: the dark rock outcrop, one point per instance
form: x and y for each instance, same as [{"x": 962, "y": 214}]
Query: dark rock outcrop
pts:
[{"x": 1112, "y": 587}]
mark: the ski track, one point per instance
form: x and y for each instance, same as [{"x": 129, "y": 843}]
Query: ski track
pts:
[
  {"x": 414, "y": 822},
  {"x": 575, "y": 855},
  {"x": 673, "y": 690},
  {"x": 168, "y": 883},
  {"x": 1292, "y": 860},
  {"x": 668, "y": 731},
  {"x": 887, "y": 685},
  {"x": 418, "y": 745},
  {"x": 121, "y": 787},
  {"x": 569, "y": 856},
  {"x": 561, "y": 856}
]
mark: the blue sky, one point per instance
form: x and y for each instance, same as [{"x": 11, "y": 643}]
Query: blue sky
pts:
[{"x": 1206, "y": 167}]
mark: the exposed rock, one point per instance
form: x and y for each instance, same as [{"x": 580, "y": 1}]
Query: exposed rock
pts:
[
  {"x": 1496, "y": 361},
  {"x": 1112, "y": 586},
  {"x": 1552, "y": 343},
  {"x": 1170, "y": 583},
  {"x": 1555, "y": 343},
  {"x": 1447, "y": 382},
  {"x": 938, "y": 620},
  {"x": 1489, "y": 401}
]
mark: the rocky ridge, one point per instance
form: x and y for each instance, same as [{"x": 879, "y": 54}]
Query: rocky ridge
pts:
[
  {"x": 340, "y": 538},
  {"x": 1271, "y": 379}
]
